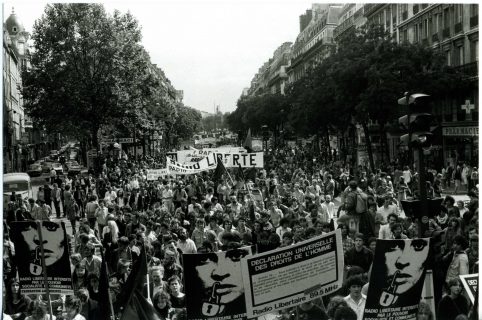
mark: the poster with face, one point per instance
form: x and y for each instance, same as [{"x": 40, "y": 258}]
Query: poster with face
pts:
[
  {"x": 397, "y": 278},
  {"x": 29, "y": 237},
  {"x": 214, "y": 284}
]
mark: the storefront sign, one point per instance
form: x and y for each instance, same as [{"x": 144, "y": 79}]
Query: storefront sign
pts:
[{"x": 461, "y": 131}]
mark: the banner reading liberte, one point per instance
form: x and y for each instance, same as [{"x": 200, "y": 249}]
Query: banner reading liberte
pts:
[
  {"x": 194, "y": 155},
  {"x": 288, "y": 277},
  {"x": 231, "y": 160}
]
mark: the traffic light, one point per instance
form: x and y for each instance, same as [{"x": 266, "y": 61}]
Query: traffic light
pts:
[{"x": 417, "y": 121}]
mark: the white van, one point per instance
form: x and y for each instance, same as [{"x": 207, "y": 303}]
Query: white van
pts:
[{"x": 18, "y": 182}]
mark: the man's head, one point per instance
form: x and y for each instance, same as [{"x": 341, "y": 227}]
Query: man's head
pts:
[
  {"x": 345, "y": 313},
  {"x": 355, "y": 284},
  {"x": 353, "y": 185},
  {"x": 459, "y": 243},
  {"x": 392, "y": 218},
  {"x": 157, "y": 275},
  {"x": 358, "y": 241}
]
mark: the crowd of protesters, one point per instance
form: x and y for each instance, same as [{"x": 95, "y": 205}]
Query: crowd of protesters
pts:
[{"x": 118, "y": 211}]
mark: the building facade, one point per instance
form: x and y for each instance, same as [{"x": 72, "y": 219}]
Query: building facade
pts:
[{"x": 453, "y": 30}]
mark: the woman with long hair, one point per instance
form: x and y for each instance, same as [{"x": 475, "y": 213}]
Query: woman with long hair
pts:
[
  {"x": 110, "y": 233},
  {"x": 454, "y": 228},
  {"x": 72, "y": 307},
  {"x": 16, "y": 303},
  {"x": 162, "y": 304}
]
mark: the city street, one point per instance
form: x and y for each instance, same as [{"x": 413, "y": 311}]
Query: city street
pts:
[{"x": 248, "y": 160}]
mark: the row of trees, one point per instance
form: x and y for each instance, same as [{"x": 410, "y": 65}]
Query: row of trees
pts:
[
  {"x": 89, "y": 71},
  {"x": 360, "y": 81}
]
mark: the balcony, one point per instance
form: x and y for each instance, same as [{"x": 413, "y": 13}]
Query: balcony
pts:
[
  {"x": 435, "y": 37},
  {"x": 474, "y": 21},
  {"x": 359, "y": 13},
  {"x": 458, "y": 27},
  {"x": 371, "y": 8},
  {"x": 446, "y": 33},
  {"x": 469, "y": 69}
]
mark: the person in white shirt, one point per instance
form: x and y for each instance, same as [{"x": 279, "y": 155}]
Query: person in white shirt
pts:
[
  {"x": 283, "y": 228},
  {"x": 385, "y": 230},
  {"x": 215, "y": 205},
  {"x": 110, "y": 196},
  {"x": 185, "y": 244},
  {"x": 356, "y": 300},
  {"x": 387, "y": 208},
  {"x": 327, "y": 208}
]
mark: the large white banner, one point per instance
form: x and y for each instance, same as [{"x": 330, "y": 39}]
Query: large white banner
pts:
[
  {"x": 231, "y": 160},
  {"x": 288, "y": 277},
  {"x": 195, "y": 155}
]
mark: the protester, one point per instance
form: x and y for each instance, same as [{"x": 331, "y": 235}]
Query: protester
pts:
[{"x": 299, "y": 199}]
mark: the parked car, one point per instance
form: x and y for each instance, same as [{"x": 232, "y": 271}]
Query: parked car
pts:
[
  {"x": 35, "y": 170},
  {"x": 58, "y": 168},
  {"x": 47, "y": 166},
  {"x": 18, "y": 182},
  {"x": 73, "y": 167}
]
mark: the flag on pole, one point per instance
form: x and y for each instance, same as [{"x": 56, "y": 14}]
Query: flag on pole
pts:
[
  {"x": 220, "y": 170},
  {"x": 248, "y": 142},
  {"x": 131, "y": 303},
  {"x": 240, "y": 174}
]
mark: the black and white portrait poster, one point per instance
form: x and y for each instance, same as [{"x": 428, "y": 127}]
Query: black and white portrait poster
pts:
[
  {"x": 29, "y": 237},
  {"x": 397, "y": 279},
  {"x": 214, "y": 284}
]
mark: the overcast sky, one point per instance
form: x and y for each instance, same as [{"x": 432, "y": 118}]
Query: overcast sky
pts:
[{"x": 209, "y": 49}]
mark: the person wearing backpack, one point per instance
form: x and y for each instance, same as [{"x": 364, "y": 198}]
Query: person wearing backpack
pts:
[{"x": 356, "y": 205}]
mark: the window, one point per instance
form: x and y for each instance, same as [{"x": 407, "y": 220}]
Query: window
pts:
[
  {"x": 446, "y": 18},
  {"x": 459, "y": 56},
  {"x": 405, "y": 35},
  {"x": 435, "y": 23},
  {"x": 448, "y": 57},
  {"x": 474, "y": 10},
  {"x": 394, "y": 14},
  {"x": 14, "y": 29},
  {"x": 458, "y": 13},
  {"x": 415, "y": 34},
  {"x": 474, "y": 50},
  {"x": 425, "y": 29}
]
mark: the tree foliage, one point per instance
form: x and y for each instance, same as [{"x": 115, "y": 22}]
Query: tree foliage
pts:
[
  {"x": 188, "y": 122},
  {"x": 88, "y": 70}
]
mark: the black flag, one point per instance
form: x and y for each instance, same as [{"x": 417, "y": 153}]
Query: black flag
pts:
[
  {"x": 131, "y": 302},
  {"x": 220, "y": 170}
]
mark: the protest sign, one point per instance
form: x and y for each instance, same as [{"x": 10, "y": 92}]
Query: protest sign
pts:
[
  {"x": 397, "y": 278},
  {"x": 287, "y": 277},
  {"x": 470, "y": 282},
  {"x": 214, "y": 284},
  {"x": 231, "y": 160},
  {"x": 194, "y": 155},
  {"x": 26, "y": 237},
  {"x": 154, "y": 174}
]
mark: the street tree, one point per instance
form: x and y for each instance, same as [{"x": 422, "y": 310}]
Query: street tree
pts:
[
  {"x": 87, "y": 70},
  {"x": 188, "y": 122}
]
